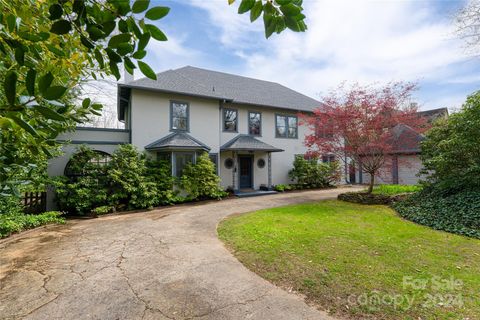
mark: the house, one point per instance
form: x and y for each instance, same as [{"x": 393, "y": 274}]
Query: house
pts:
[
  {"x": 404, "y": 164},
  {"x": 249, "y": 127}
]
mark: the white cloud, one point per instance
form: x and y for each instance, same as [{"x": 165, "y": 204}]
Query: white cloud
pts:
[
  {"x": 364, "y": 41},
  {"x": 171, "y": 54}
]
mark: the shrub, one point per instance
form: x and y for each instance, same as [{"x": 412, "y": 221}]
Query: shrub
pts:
[
  {"x": 127, "y": 174},
  {"x": 451, "y": 150},
  {"x": 393, "y": 189},
  {"x": 103, "y": 210},
  {"x": 11, "y": 223},
  {"x": 87, "y": 188},
  {"x": 80, "y": 195},
  {"x": 10, "y": 205},
  {"x": 200, "y": 180},
  {"x": 160, "y": 173},
  {"x": 368, "y": 198},
  {"x": 282, "y": 187},
  {"x": 457, "y": 212},
  {"x": 312, "y": 174}
]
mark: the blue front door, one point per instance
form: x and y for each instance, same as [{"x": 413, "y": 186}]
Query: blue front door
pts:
[{"x": 246, "y": 171}]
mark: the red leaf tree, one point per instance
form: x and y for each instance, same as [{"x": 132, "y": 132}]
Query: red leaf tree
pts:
[{"x": 366, "y": 124}]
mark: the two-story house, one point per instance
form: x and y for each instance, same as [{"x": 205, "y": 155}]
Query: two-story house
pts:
[{"x": 249, "y": 127}]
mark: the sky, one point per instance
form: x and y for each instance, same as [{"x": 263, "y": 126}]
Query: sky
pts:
[{"x": 346, "y": 41}]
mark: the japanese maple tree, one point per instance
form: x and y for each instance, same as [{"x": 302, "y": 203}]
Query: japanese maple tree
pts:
[{"x": 366, "y": 124}]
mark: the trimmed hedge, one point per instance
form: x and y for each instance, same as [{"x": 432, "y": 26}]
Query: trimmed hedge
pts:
[
  {"x": 456, "y": 212},
  {"x": 370, "y": 198}
]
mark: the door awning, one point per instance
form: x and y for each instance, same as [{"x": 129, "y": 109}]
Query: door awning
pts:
[{"x": 248, "y": 143}]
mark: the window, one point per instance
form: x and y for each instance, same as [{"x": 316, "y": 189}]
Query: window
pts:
[
  {"x": 328, "y": 158},
  {"x": 83, "y": 164},
  {"x": 213, "y": 158},
  {"x": 230, "y": 120},
  {"x": 164, "y": 156},
  {"x": 179, "y": 116},
  {"x": 181, "y": 161},
  {"x": 254, "y": 123},
  {"x": 286, "y": 126}
]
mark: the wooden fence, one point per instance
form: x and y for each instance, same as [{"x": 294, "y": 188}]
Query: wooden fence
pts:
[{"x": 34, "y": 202}]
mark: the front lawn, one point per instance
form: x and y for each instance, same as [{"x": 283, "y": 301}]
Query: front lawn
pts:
[{"x": 361, "y": 261}]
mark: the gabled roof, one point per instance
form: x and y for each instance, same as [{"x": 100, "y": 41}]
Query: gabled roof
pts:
[
  {"x": 177, "y": 140},
  {"x": 245, "y": 142},
  {"x": 224, "y": 86},
  {"x": 434, "y": 114},
  {"x": 406, "y": 139}
]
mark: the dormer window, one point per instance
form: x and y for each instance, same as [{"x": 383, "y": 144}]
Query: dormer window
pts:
[{"x": 179, "y": 112}]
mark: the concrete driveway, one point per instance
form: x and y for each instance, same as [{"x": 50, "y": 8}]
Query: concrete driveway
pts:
[{"x": 161, "y": 264}]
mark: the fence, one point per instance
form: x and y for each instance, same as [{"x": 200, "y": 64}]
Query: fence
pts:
[{"x": 34, "y": 202}]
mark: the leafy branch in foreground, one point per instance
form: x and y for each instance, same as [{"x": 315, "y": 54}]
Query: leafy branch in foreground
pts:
[
  {"x": 277, "y": 15},
  {"x": 47, "y": 50}
]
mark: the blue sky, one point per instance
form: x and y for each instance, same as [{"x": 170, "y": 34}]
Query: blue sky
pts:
[{"x": 353, "y": 41}]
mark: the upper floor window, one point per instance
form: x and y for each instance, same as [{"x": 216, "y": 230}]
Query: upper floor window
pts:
[
  {"x": 230, "y": 120},
  {"x": 254, "y": 123},
  {"x": 179, "y": 116},
  {"x": 286, "y": 126}
]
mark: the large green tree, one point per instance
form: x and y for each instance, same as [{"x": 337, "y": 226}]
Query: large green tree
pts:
[
  {"x": 451, "y": 150},
  {"x": 48, "y": 48}
]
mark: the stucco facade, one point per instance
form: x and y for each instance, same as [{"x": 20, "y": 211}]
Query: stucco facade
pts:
[{"x": 150, "y": 120}]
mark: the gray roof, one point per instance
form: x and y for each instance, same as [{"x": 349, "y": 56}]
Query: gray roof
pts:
[
  {"x": 224, "y": 86},
  {"x": 434, "y": 114},
  {"x": 406, "y": 139},
  {"x": 177, "y": 140},
  {"x": 245, "y": 142}
]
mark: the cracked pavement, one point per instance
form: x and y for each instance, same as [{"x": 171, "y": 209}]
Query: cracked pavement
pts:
[{"x": 161, "y": 264}]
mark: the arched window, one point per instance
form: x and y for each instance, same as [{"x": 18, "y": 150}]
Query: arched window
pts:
[{"x": 84, "y": 163}]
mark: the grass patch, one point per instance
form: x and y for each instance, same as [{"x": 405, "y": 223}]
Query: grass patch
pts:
[
  {"x": 394, "y": 189},
  {"x": 340, "y": 254}
]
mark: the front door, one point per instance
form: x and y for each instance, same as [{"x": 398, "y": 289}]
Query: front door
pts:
[{"x": 246, "y": 171}]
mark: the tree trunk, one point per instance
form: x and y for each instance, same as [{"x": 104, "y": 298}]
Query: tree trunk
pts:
[{"x": 372, "y": 182}]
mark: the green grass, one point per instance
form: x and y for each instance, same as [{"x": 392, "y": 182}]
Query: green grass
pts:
[
  {"x": 393, "y": 189},
  {"x": 336, "y": 253}
]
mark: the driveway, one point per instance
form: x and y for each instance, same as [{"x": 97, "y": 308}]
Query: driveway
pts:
[{"x": 161, "y": 264}]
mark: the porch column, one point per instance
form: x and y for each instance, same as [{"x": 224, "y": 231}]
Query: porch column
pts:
[
  {"x": 234, "y": 171},
  {"x": 269, "y": 156}
]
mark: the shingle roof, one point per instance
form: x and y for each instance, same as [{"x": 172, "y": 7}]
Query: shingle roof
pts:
[
  {"x": 177, "y": 140},
  {"x": 244, "y": 142},
  {"x": 218, "y": 85},
  {"x": 406, "y": 139},
  {"x": 434, "y": 114}
]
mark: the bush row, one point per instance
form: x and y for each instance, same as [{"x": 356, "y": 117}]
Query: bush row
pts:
[
  {"x": 12, "y": 218},
  {"x": 131, "y": 181},
  {"x": 367, "y": 198}
]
